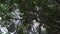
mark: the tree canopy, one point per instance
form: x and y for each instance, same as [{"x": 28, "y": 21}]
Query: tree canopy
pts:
[{"x": 30, "y": 16}]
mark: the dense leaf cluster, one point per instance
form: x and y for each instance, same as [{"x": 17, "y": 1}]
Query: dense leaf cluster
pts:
[{"x": 45, "y": 12}]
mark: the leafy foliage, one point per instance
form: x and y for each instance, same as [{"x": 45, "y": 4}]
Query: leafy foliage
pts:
[{"x": 45, "y": 12}]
